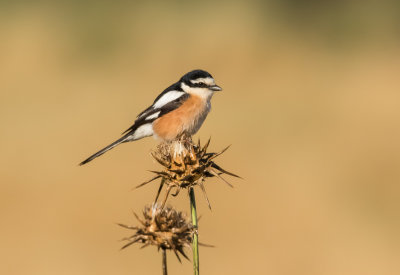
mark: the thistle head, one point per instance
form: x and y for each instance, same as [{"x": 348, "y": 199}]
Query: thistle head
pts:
[
  {"x": 165, "y": 228},
  {"x": 186, "y": 165}
]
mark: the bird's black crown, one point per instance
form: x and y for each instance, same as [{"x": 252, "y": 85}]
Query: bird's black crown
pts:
[{"x": 193, "y": 75}]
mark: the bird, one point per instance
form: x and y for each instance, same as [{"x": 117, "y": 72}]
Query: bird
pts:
[{"x": 179, "y": 109}]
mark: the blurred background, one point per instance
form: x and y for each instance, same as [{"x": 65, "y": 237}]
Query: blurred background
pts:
[{"x": 310, "y": 105}]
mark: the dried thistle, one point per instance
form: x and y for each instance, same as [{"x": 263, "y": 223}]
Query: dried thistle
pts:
[
  {"x": 165, "y": 228},
  {"x": 186, "y": 165}
]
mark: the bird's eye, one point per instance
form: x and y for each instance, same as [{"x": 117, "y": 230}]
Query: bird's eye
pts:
[{"x": 201, "y": 84}]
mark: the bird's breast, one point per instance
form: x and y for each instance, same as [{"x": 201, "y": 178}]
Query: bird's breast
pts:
[{"x": 187, "y": 118}]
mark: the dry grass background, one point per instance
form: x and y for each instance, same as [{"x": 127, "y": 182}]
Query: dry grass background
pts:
[{"x": 310, "y": 103}]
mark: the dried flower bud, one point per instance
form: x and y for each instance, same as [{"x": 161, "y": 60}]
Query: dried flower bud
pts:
[
  {"x": 186, "y": 165},
  {"x": 165, "y": 228}
]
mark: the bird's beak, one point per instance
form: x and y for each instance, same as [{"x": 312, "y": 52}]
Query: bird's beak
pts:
[{"x": 215, "y": 88}]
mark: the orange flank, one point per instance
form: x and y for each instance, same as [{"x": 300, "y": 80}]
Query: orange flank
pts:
[{"x": 185, "y": 118}]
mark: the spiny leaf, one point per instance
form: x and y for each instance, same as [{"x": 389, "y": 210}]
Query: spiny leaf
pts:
[
  {"x": 216, "y": 174},
  {"x": 220, "y": 153},
  {"x": 160, "y": 161},
  {"x": 205, "y": 147},
  {"x": 166, "y": 196},
  {"x": 206, "y": 245},
  {"x": 180, "y": 249},
  {"x": 146, "y": 182},
  {"x": 177, "y": 171},
  {"x": 128, "y": 227},
  {"x": 129, "y": 244},
  {"x": 176, "y": 253},
  {"x": 159, "y": 190},
  {"x": 214, "y": 165},
  {"x": 161, "y": 173},
  {"x": 205, "y": 194},
  {"x": 145, "y": 245},
  {"x": 140, "y": 220}
]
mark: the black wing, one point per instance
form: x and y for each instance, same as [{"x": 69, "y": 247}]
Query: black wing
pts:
[
  {"x": 174, "y": 87},
  {"x": 148, "y": 118},
  {"x": 154, "y": 113}
]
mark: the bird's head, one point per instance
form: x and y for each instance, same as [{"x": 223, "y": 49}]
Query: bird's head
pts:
[{"x": 200, "y": 83}]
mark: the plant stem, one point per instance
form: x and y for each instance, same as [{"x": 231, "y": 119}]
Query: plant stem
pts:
[
  {"x": 164, "y": 262},
  {"x": 195, "y": 244}
]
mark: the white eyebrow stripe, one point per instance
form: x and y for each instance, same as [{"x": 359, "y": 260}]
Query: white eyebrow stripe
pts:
[
  {"x": 208, "y": 80},
  {"x": 168, "y": 97},
  {"x": 155, "y": 115}
]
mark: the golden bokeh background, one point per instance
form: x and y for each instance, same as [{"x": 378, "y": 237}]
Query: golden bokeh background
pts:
[{"x": 311, "y": 106}]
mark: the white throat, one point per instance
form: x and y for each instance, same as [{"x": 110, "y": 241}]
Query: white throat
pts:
[{"x": 203, "y": 93}]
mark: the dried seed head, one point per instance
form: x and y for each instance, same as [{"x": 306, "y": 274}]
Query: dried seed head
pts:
[
  {"x": 186, "y": 165},
  {"x": 165, "y": 228}
]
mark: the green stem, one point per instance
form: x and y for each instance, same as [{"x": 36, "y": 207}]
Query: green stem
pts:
[{"x": 195, "y": 244}]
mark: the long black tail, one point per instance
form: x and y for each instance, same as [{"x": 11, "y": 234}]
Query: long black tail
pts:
[{"x": 109, "y": 147}]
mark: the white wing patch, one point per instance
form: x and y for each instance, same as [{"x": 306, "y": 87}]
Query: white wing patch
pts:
[
  {"x": 168, "y": 97},
  {"x": 143, "y": 131},
  {"x": 145, "y": 113},
  {"x": 155, "y": 115}
]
